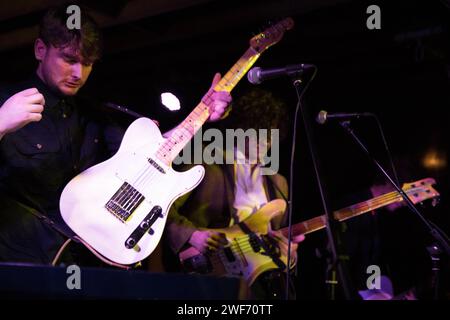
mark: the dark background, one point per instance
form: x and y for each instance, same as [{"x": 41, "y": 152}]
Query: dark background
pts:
[{"x": 401, "y": 73}]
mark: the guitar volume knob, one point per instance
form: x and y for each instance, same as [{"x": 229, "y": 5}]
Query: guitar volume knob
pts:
[
  {"x": 130, "y": 243},
  {"x": 145, "y": 225}
]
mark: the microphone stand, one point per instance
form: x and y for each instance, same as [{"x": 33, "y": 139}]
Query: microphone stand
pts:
[
  {"x": 334, "y": 265},
  {"x": 442, "y": 243}
]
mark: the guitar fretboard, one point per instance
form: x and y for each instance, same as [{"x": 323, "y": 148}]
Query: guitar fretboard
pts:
[
  {"x": 319, "y": 222},
  {"x": 189, "y": 127}
]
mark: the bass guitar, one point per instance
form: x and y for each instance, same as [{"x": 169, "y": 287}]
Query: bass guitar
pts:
[{"x": 249, "y": 254}]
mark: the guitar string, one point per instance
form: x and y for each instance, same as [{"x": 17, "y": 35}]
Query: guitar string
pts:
[
  {"x": 130, "y": 190},
  {"x": 244, "y": 63},
  {"x": 200, "y": 113},
  {"x": 244, "y": 244},
  {"x": 140, "y": 177},
  {"x": 144, "y": 176},
  {"x": 375, "y": 202},
  {"x": 378, "y": 202},
  {"x": 131, "y": 200},
  {"x": 130, "y": 193},
  {"x": 125, "y": 193},
  {"x": 392, "y": 196},
  {"x": 149, "y": 173}
]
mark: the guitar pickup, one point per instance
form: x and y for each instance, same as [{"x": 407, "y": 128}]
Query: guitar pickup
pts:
[
  {"x": 143, "y": 227},
  {"x": 254, "y": 242},
  {"x": 157, "y": 166},
  {"x": 229, "y": 254}
]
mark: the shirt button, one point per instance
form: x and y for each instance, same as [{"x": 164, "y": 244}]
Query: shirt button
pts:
[
  {"x": 39, "y": 146},
  {"x": 64, "y": 115},
  {"x": 96, "y": 140}
]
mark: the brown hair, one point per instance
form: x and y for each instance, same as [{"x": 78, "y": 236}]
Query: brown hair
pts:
[
  {"x": 258, "y": 109},
  {"x": 87, "y": 40}
]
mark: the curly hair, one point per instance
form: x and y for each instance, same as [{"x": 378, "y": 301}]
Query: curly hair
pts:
[
  {"x": 258, "y": 109},
  {"x": 87, "y": 40}
]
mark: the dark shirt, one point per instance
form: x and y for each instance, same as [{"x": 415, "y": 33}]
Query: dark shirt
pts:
[{"x": 37, "y": 161}]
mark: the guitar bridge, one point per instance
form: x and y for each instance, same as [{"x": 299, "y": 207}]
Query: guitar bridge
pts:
[{"x": 124, "y": 202}]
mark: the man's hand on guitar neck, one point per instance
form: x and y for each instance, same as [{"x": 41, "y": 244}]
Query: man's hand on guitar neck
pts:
[
  {"x": 218, "y": 108},
  {"x": 207, "y": 240},
  {"x": 221, "y": 100}
]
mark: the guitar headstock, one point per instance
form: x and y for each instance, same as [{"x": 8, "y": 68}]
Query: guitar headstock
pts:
[
  {"x": 271, "y": 35},
  {"x": 421, "y": 190}
]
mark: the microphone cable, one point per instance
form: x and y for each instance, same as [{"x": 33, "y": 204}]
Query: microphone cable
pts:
[{"x": 291, "y": 177}]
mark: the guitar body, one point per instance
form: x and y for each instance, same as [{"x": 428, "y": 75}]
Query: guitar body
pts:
[
  {"x": 126, "y": 197},
  {"x": 240, "y": 258}
]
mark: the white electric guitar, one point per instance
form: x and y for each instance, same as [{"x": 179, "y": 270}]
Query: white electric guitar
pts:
[{"x": 119, "y": 207}]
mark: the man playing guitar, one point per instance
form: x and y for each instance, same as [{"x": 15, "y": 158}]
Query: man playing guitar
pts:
[
  {"x": 48, "y": 135},
  {"x": 231, "y": 193}
]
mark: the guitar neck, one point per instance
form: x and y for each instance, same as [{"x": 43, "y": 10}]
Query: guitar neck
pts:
[
  {"x": 189, "y": 127},
  {"x": 319, "y": 222}
]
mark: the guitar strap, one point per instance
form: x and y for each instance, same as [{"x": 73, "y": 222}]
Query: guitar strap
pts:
[
  {"x": 272, "y": 186},
  {"x": 54, "y": 226},
  {"x": 49, "y": 222}
]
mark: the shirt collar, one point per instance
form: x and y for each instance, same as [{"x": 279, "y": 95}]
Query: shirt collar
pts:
[
  {"x": 51, "y": 98},
  {"x": 240, "y": 158}
]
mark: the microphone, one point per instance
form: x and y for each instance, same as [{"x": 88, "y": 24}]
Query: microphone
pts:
[
  {"x": 323, "y": 116},
  {"x": 257, "y": 75}
]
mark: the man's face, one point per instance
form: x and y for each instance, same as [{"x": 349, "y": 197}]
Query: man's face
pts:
[{"x": 62, "y": 69}]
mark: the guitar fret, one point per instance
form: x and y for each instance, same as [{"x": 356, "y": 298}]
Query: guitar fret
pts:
[
  {"x": 196, "y": 112},
  {"x": 200, "y": 114},
  {"x": 170, "y": 143},
  {"x": 187, "y": 127}
]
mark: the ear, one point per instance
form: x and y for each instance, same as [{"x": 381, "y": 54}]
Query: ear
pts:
[{"x": 40, "y": 49}]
